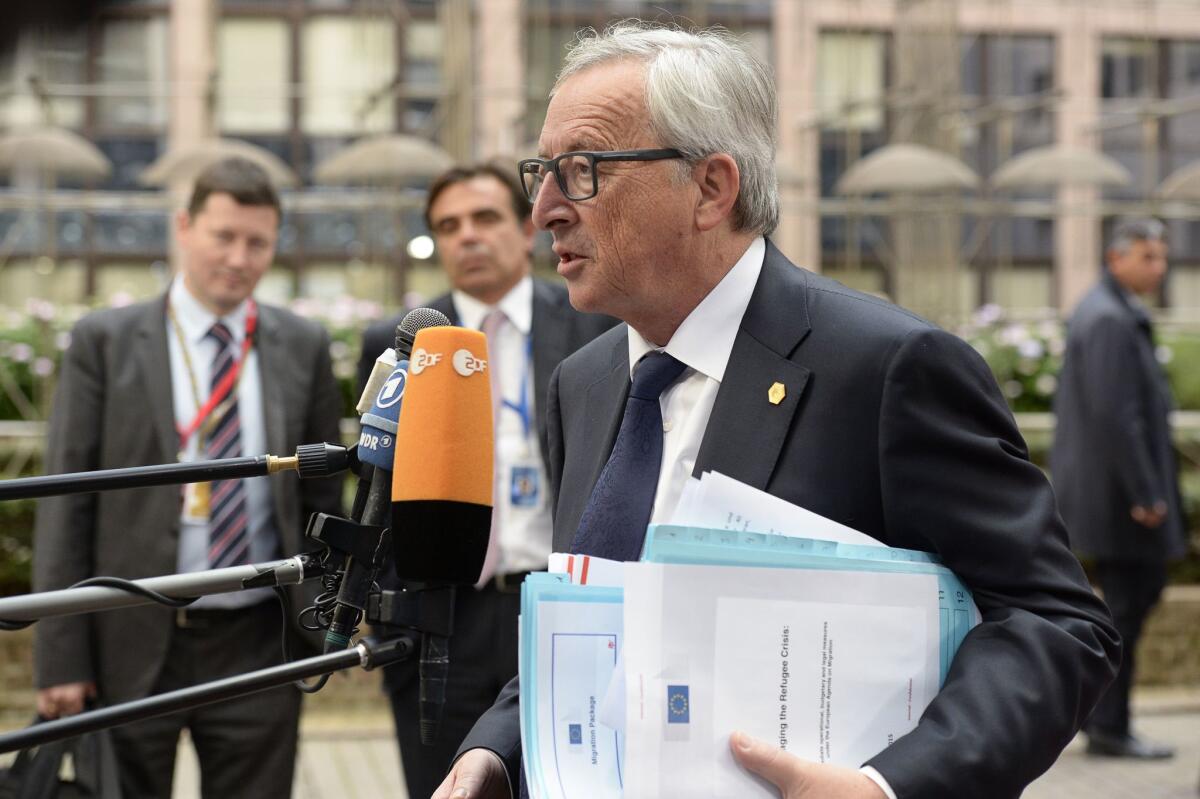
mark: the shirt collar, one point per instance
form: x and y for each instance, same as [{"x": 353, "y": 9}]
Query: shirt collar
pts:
[
  {"x": 517, "y": 305},
  {"x": 195, "y": 320},
  {"x": 1132, "y": 300},
  {"x": 705, "y": 338}
]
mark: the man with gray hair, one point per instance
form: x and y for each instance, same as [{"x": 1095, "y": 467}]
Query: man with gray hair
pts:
[
  {"x": 1113, "y": 463},
  {"x": 657, "y": 181}
]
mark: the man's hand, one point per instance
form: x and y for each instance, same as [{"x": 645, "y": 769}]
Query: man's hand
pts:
[
  {"x": 478, "y": 774},
  {"x": 64, "y": 700},
  {"x": 1149, "y": 516},
  {"x": 800, "y": 779}
]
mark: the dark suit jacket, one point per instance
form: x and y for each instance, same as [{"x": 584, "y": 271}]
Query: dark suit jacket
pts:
[
  {"x": 1112, "y": 443},
  {"x": 113, "y": 408},
  {"x": 896, "y": 428},
  {"x": 557, "y": 331}
]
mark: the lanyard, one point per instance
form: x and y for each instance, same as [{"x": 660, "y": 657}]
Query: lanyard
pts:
[
  {"x": 521, "y": 406},
  {"x": 222, "y": 390}
]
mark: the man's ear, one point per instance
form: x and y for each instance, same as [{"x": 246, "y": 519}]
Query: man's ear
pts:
[
  {"x": 718, "y": 179},
  {"x": 183, "y": 222}
]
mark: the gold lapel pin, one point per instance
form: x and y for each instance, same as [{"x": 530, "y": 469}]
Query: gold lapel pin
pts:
[{"x": 776, "y": 393}]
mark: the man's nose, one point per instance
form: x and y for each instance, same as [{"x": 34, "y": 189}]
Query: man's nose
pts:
[
  {"x": 239, "y": 253},
  {"x": 551, "y": 208}
]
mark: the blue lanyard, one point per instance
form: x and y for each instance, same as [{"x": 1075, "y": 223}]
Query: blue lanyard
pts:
[{"x": 521, "y": 407}]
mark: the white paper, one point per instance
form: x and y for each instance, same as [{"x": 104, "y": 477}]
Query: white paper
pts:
[
  {"x": 612, "y": 707},
  {"x": 722, "y": 503},
  {"x": 707, "y": 645},
  {"x": 576, "y": 653},
  {"x": 587, "y": 570}
]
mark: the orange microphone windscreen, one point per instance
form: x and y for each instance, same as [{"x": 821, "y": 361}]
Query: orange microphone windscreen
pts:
[{"x": 442, "y": 475}]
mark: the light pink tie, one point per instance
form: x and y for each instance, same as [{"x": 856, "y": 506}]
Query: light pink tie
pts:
[{"x": 493, "y": 323}]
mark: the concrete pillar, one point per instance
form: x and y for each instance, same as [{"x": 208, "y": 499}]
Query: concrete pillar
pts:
[
  {"x": 191, "y": 112},
  {"x": 500, "y": 78},
  {"x": 454, "y": 16},
  {"x": 795, "y": 30},
  {"x": 1077, "y": 223}
]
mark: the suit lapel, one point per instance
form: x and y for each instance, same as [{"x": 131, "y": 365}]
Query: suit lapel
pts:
[
  {"x": 155, "y": 361},
  {"x": 445, "y": 304},
  {"x": 272, "y": 357},
  {"x": 746, "y": 430},
  {"x": 607, "y": 394},
  {"x": 548, "y": 331}
]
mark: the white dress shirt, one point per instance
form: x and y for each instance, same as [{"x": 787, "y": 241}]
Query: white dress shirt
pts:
[
  {"x": 703, "y": 342},
  {"x": 524, "y": 530},
  {"x": 194, "y": 322}
]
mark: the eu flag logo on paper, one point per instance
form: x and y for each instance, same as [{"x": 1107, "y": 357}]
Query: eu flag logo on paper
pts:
[
  {"x": 679, "y": 706},
  {"x": 575, "y": 731}
]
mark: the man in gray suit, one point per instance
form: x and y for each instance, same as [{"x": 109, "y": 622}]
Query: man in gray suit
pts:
[
  {"x": 479, "y": 216},
  {"x": 657, "y": 180},
  {"x": 1113, "y": 463},
  {"x": 201, "y": 372}
]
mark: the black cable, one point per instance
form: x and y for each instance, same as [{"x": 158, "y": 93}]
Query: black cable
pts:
[
  {"x": 131, "y": 587},
  {"x": 128, "y": 586},
  {"x": 285, "y": 607}
]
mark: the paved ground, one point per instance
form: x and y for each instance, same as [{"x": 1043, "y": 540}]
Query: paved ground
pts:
[{"x": 346, "y": 762}]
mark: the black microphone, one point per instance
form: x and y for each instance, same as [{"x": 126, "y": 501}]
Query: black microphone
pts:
[{"x": 376, "y": 448}]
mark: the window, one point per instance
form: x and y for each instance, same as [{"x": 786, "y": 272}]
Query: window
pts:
[
  {"x": 422, "y": 73},
  {"x": 1127, "y": 68},
  {"x": 850, "y": 75},
  {"x": 349, "y": 68},
  {"x": 252, "y": 67},
  {"x": 132, "y": 67}
]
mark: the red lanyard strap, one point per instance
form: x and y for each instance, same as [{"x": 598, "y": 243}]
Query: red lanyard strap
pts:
[{"x": 222, "y": 389}]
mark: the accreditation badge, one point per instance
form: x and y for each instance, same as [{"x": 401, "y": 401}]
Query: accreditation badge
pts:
[
  {"x": 196, "y": 497},
  {"x": 525, "y": 487}
]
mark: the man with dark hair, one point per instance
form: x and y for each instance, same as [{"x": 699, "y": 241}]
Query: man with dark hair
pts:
[
  {"x": 479, "y": 217},
  {"x": 1113, "y": 463},
  {"x": 202, "y": 372}
]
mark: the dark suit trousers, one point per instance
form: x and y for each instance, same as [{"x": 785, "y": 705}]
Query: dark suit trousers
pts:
[
  {"x": 1131, "y": 589},
  {"x": 246, "y": 746},
  {"x": 483, "y": 658}
]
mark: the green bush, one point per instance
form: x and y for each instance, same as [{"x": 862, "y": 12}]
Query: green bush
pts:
[
  {"x": 16, "y": 546},
  {"x": 1181, "y": 353},
  {"x": 1025, "y": 356}
]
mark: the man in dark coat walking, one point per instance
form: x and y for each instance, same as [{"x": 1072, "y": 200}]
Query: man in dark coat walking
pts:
[{"x": 1113, "y": 464}]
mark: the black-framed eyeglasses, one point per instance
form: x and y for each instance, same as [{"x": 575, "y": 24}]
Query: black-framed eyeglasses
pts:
[{"x": 575, "y": 172}]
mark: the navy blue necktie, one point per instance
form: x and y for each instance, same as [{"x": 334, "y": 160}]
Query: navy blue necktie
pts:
[{"x": 614, "y": 522}]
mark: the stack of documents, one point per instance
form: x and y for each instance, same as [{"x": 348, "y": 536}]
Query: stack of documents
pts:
[{"x": 633, "y": 675}]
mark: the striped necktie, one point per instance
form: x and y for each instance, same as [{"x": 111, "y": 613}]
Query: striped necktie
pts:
[{"x": 228, "y": 521}]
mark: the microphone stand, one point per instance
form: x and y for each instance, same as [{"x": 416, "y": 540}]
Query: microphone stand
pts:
[
  {"x": 341, "y": 538},
  {"x": 369, "y": 653},
  {"x": 310, "y": 460},
  {"x": 18, "y": 611}
]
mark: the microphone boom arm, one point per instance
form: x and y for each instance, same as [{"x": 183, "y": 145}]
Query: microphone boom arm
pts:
[
  {"x": 21, "y": 610},
  {"x": 310, "y": 460},
  {"x": 369, "y": 653}
]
